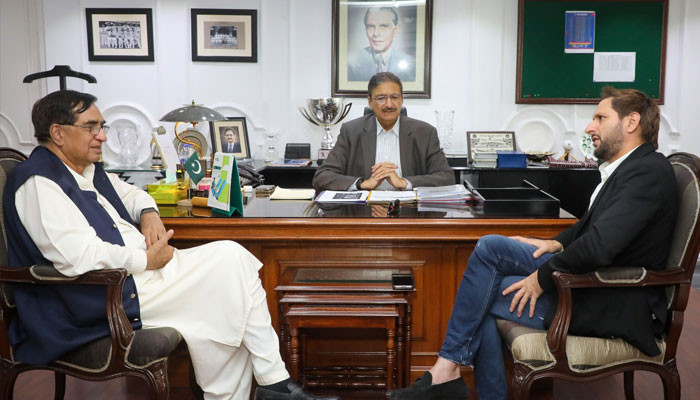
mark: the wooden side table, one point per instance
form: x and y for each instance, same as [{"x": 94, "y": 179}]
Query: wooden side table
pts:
[{"x": 313, "y": 298}]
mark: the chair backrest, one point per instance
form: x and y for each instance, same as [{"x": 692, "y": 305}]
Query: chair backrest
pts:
[
  {"x": 685, "y": 244},
  {"x": 9, "y": 158}
]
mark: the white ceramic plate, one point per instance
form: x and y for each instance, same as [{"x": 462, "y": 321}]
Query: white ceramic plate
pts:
[{"x": 535, "y": 137}]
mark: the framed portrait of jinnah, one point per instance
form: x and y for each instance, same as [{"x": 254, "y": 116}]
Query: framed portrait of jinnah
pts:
[{"x": 371, "y": 36}]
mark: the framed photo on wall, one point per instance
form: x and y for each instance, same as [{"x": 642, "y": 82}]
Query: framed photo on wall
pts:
[
  {"x": 230, "y": 136},
  {"x": 371, "y": 36},
  {"x": 119, "y": 34},
  {"x": 224, "y": 35}
]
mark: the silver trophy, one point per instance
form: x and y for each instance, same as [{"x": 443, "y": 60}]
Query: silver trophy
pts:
[{"x": 326, "y": 113}]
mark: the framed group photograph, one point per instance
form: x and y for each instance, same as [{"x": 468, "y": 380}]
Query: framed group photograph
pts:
[
  {"x": 230, "y": 136},
  {"x": 119, "y": 34},
  {"x": 224, "y": 35},
  {"x": 371, "y": 36}
]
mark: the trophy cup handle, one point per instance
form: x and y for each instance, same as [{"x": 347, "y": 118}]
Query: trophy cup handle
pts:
[
  {"x": 345, "y": 112},
  {"x": 307, "y": 116}
]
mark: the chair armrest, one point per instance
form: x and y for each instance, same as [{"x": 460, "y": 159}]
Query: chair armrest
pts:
[
  {"x": 608, "y": 277},
  {"x": 621, "y": 277},
  {"x": 119, "y": 325}
]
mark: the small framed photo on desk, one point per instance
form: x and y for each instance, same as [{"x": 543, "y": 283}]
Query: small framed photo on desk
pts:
[{"x": 230, "y": 136}]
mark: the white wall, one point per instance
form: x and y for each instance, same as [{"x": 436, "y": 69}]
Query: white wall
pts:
[{"x": 473, "y": 71}]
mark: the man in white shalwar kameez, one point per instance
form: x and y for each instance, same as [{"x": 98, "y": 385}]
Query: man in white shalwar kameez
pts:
[{"x": 211, "y": 294}]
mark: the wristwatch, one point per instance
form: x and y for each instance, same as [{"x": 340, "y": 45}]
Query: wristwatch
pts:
[
  {"x": 149, "y": 209},
  {"x": 358, "y": 183}
]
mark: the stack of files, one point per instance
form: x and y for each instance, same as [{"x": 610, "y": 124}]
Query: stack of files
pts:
[
  {"x": 387, "y": 196},
  {"x": 455, "y": 194},
  {"x": 485, "y": 159},
  {"x": 332, "y": 196}
]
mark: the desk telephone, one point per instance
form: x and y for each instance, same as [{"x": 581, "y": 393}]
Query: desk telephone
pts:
[{"x": 249, "y": 173}]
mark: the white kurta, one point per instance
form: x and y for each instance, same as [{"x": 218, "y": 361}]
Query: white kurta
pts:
[{"x": 211, "y": 294}]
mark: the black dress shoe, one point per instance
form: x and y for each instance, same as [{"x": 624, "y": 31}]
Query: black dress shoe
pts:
[
  {"x": 296, "y": 393},
  {"x": 423, "y": 389}
]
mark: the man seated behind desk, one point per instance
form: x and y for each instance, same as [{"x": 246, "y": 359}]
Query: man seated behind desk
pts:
[
  {"x": 384, "y": 150},
  {"x": 629, "y": 222},
  {"x": 62, "y": 208}
]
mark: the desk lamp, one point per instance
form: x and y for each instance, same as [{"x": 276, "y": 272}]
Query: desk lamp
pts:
[{"x": 193, "y": 113}]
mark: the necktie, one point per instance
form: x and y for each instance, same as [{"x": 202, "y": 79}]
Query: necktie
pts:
[
  {"x": 381, "y": 65},
  {"x": 230, "y": 148}
]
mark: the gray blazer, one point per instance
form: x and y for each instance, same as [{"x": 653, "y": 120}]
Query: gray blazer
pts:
[{"x": 422, "y": 161}]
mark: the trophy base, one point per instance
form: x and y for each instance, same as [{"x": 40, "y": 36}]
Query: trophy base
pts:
[{"x": 323, "y": 154}]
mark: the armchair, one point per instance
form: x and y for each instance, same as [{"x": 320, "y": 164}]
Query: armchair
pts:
[
  {"x": 553, "y": 353},
  {"x": 141, "y": 353}
]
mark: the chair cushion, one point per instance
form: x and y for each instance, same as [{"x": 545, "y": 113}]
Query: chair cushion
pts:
[
  {"x": 529, "y": 347},
  {"x": 148, "y": 345}
]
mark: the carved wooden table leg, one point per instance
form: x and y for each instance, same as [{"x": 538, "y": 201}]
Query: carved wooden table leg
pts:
[
  {"x": 400, "y": 336},
  {"x": 294, "y": 358},
  {"x": 390, "y": 356},
  {"x": 407, "y": 361}
]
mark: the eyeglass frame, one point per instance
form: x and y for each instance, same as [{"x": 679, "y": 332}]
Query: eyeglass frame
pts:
[
  {"x": 91, "y": 128},
  {"x": 382, "y": 100}
]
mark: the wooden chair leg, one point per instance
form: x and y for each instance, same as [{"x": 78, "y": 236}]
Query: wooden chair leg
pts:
[
  {"x": 629, "y": 385},
  {"x": 157, "y": 377},
  {"x": 671, "y": 380},
  {"x": 8, "y": 376},
  {"x": 59, "y": 385}
]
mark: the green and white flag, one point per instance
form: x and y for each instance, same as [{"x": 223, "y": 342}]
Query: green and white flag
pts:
[{"x": 194, "y": 168}]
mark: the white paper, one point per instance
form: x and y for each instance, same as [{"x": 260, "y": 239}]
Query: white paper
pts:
[
  {"x": 168, "y": 154},
  {"x": 385, "y": 196},
  {"x": 292, "y": 194},
  {"x": 332, "y": 196},
  {"x": 614, "y": 67}
]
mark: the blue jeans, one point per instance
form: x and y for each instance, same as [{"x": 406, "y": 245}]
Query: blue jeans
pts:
[{"x": 472, "y": 337}]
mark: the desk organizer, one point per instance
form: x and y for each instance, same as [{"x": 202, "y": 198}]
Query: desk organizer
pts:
[{"x": 514, "y": 202}]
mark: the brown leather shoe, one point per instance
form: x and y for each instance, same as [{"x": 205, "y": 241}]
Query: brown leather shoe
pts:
[{"x": 423, "y": 389}]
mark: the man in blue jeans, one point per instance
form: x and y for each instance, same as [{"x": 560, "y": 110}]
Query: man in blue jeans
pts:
[{"x": 629, "y": 222}]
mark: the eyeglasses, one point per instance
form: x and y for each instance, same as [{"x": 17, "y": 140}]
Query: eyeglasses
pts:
[
  {"x": 381, "y": 99},
  {"x": 93, "y": 129}
]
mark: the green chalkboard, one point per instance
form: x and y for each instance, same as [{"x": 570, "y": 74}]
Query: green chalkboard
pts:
[{"x": 546, "y": 74}]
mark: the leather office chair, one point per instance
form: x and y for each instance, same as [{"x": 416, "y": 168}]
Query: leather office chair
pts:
[
  {"x": 541, "y": 354},
  {"x": 143, "y": 353},
  {"x": 369, "y": 111}
]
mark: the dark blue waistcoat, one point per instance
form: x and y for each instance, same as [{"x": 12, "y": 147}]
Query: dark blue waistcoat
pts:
[{"x": 53, "y": 320}]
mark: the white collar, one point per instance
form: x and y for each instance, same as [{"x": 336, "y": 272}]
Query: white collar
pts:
[
  {"x": 85, "y": 179},
  {"x": 394, "y": 129}
]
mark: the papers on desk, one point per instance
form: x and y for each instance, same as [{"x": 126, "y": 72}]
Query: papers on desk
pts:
[
  {"x": 443, "y": 194},
  {"x": 332, "y": 196},
  {"x": 292, "y": 194},
  {"x": 387, "y": 196}
]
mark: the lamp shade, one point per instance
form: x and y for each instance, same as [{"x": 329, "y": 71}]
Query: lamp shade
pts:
[{"x": 193, "y": 113}]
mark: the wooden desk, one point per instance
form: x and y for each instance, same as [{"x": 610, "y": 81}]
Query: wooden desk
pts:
[{"x": 436, "y": 246}]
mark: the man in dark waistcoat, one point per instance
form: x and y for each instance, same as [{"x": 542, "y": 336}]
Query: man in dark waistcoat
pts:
[{"x": 63, "y": 209}]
